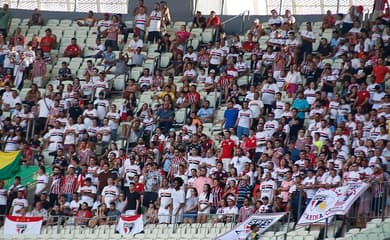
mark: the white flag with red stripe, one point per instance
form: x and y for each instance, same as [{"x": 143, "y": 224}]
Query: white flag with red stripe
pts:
[
  {"x": 15, "y": 225},
  {"x": 130, "y": 224}
]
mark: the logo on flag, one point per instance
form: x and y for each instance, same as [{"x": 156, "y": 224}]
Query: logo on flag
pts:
[
  {"x": 20, "y": 228},
  {"x": 130, "y": 225},
  {"x": 329, "y": 202}
]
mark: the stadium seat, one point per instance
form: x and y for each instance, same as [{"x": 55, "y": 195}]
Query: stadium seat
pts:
[
  {"x": 164, "y": 60},
  {"x": 207, "y": 35},
  {"x": 136, "y": 73},
  {"x": 53, "y": 22},
  {"x": 65, "y": 22},
  {"x": 197, "y": 31},
  {"x": 195, "y": 43},
  {"x": 119, "y": 83},
  {"x": 180, "y": 116}
]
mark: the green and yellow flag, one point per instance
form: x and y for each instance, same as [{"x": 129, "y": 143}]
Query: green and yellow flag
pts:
[{"x": 9, "y": 164}]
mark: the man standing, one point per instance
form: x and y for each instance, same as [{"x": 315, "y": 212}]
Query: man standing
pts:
[
  {"x": 5, "y": 20},
  {"x": 154, "y": 23}
]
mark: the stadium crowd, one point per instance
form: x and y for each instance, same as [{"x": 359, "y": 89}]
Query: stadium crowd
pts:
[{"x": 308, "y": 118}]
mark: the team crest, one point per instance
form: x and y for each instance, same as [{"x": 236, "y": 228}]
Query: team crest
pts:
[{"x": 20, "y": 228}]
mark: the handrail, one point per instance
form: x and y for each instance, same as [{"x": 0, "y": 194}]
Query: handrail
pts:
[{"x": 246, "y": 12}]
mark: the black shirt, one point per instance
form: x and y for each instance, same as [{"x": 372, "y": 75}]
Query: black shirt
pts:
[
  {"x": 132, "y": 198},
  {"x": 75, "y": 112},
  {"x": 202, "y": 21}
]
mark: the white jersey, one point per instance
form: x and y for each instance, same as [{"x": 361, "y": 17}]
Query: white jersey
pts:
[
  {"x": 101, "y": 107},
  {"x": 17, "y": 204},
  {"x": 88, "y": 189},
  {"x": 261, "y": 140},
  {"x": 104, "y": 25},
  {"x": 244, "y": 117},
  {"x": 255, "y": 106},
  {"x": 140, "y": 20},
  {"x": 42, "y": 181},
  {"x": 307, "y": 182},
  {"x": 193, "y": 162},
  {"x": 267, "y": 189},
  {"x": 110, "y": 193},
  {"x": 165, "y": 196},
  {"x": 279, "y": 110},
  {"x": 270, "y": 127},
  {"x": 155, "y": 21},
  {"x": 56, "y": 138},
  {"x": 112, "y": 116},
  {"x": 88, "y": 116},
  {"x": 71, "y": 136},
  {"x": 11, "y": 143},
  {"x": 45, "y": 104},
  {"x": 216, "y": 56},
  {"x": 130, "y": 171},
  {"x": 3, "y": 197},
  {"x": 268, "y": 93}
]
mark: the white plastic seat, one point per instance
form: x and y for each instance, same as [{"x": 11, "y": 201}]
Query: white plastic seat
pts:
[
  {"x": 207, "y": 35},
  {"x": 119, "y": 83},
  {"x": 180, "y": 116}
]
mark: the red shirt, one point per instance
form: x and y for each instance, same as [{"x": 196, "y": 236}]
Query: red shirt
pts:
[
  {"x": 73, "y": 50},
  {"x": 212, "y": 22},
  {"x": 362, "y": 96},
  {"x": 47, "y": 43},
  {"x": 250, "y": 142},
  {"x": 183, "y": 36},
  {"x": 248, "y": 46},
  {"x": 227, "y": 147},
  {"x": 139, "y": 187},
  {"x": 380, "y": 72},
  {"x": 193, "y": 97}
]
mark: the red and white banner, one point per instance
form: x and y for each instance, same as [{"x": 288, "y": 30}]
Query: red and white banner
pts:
[
  {"x": 329, "y": 202},
  {"x": 15, "y": 225},
  {"x": 130, "y": 225},
  {"x": 241, "y": 231}
]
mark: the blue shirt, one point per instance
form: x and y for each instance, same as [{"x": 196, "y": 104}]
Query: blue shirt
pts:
[
  {"x": 203, "y": 112},
  {"x": 230, "y": 116},
  {"x": 300, "y": 104}
]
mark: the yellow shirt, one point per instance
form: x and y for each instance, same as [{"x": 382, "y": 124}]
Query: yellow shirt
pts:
[{"x": 171, "y": 94}]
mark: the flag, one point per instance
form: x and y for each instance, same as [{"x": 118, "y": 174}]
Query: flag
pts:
[
  {"x": 15, "y": 225},
  {"x": 241, "y": 231},
  {"x": 327, "y": 203},
  {"x": 9, "y": 164},
  {"x": 130, "y": 225}
]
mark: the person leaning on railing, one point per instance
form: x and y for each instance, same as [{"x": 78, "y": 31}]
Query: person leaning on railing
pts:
[
  {"x": 100, "y": 217},
  {"x": 83, "y": 215}
]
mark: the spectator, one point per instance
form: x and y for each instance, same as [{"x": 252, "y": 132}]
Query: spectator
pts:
[
  {"x": 103, "y": 26},
  {"x": 328, "y": 21},
  {"x": 36, "y": 18},
  {"x": 154, "y": 22},
  {"x": 5, "y": 20},
  {"x": 88, "y": 21},
  {"x": 48, "y": 42},
  {"x": 73, "y": 50},
  {"x": 191, "y": 207},
  {"x": 99, "y": 49},
  {"x": 83, "y": 215},
  {"x": 213, "y": 21},
  {"x": 198, "y": 21},
  {"x": 204, "y": 204}
]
